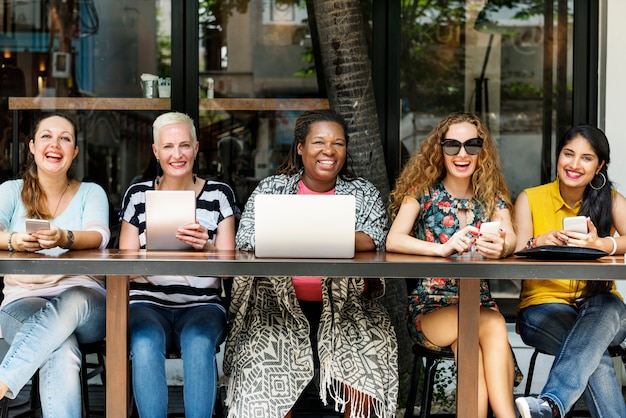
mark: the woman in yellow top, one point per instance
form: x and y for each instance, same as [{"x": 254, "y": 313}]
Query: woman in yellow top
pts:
[{"x": 577, "y": 321}]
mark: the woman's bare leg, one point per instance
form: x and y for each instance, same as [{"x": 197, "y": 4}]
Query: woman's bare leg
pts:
[
  {"x": 366, "y": 404},
  {"x": 495, "y": 363},
  {"x": 498, "y": 363},
  {"x": 346, "y": 414}
]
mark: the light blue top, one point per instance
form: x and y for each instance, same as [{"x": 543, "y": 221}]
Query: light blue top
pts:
[{"x": 88, "y": 211}]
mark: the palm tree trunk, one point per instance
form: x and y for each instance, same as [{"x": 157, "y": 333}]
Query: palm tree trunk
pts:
[
  {"x": 347, "y": 71},
  {"x": 348, "y": 74}
]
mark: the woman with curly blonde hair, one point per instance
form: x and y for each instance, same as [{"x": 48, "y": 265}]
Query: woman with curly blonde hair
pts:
[
  {"x": 444, "y": 194},
  {"x": 426, "y": 167}
]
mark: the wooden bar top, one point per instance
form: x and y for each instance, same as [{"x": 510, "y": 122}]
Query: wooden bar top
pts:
[
  {"x": 117, "y": 103},
  {"x": 365, "y": 264},
  {"x": 87, "y": 103},
  {"x": 118, "y": 264},
  {"x": 260, "y": 104}
]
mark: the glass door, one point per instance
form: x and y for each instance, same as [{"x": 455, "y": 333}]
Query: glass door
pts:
[
  {"x": 84, "y": 58},
  {"x": 256, "y": 76},
  {"x": 510, "y": 62}
]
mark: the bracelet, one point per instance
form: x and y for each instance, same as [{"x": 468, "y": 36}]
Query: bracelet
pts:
[
  {"x": 614, "y": 245},
  {"x": 9, "y": 246},
  {"x": 70, "y": 240},
  {"x": 532, "y": 243}
]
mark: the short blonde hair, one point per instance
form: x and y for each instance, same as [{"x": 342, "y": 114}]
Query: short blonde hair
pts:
[{"x": 172, "y": 118}]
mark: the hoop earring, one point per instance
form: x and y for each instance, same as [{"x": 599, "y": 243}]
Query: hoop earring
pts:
[
  {"x": 603, "y": 182},
  {"x": 158, "y": 172}
]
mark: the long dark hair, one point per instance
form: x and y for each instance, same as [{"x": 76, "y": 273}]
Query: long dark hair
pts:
[
  {"x": 597, "y": 201},
  {"x": 293, "y": 164}
]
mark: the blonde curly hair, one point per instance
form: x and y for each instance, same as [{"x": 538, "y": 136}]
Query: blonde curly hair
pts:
[{"x": 426, "y": 167}]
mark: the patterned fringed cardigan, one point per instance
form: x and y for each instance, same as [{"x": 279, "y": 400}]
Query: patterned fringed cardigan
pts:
[{"x": 268, "y": 357}]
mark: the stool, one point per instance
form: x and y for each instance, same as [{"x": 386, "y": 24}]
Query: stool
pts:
[
  {"x": 613, "y": 351},
  {"x": 88, "y": 370},
  {"x": 432, "y": 359}
]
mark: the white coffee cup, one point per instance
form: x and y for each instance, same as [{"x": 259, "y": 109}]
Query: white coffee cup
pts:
[{"x": 165, "y": 87}]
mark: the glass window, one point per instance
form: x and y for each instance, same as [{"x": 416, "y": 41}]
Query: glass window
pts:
[
  {"x": 489, "y": 58},
  {"x": 61, "y": 56},
  {"x": 256, "y": 77},
  {"x": 510, "y": 62}
]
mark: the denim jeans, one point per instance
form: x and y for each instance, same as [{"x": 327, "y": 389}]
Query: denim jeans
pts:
[
  {"x": 579, "y": 340},
  {"x": 44, "y": 334},
  {"x": 197, "y": 332}
]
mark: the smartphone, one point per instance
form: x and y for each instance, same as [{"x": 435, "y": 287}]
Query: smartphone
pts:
[
  {"x": 576, "y": 224},
  {"x": 34, "y": 225},
  {"x": 490, "y": 227}
]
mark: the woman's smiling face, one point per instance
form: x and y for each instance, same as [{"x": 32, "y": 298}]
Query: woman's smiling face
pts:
[
  {"x": 323, "y": 155},
  {"x": 463, "y": 164},
  {"x": 176, "y": 150},
  {"x": 54, "y": 145},
  {"x": 578, "y": 163}
]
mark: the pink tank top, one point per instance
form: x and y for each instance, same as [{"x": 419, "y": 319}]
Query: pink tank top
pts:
[{"x": 308, "y": 288}]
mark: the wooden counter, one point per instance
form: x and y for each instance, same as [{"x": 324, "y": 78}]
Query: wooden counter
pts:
[{"x": 117, "y": 265}]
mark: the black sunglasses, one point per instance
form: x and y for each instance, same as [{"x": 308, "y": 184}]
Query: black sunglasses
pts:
[{"x": 452, "y": 146}]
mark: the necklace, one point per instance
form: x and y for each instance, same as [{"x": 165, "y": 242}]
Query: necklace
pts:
[{"x": 60, "y": 198}]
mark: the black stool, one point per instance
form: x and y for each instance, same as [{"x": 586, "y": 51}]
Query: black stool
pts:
[
  {"x": 613, "y": 351},
  {"x": 90, "y": 370},
  {"x": 432, "y": 359}
]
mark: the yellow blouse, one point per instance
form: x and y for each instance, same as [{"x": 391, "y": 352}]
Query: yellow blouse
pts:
[{"x": 548, "y": 209}]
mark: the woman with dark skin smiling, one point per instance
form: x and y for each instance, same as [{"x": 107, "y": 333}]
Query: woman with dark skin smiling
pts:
[
  {"x": 284, "y": 328},
  {"x": 577, "y": 321}
]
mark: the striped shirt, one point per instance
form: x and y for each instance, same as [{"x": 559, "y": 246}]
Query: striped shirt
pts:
[{"x": 215, "y": 203}]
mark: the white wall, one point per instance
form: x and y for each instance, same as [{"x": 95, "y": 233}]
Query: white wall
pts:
[
  {"x": 613, "y": 90},
  {"x": 613, "y": 83}
]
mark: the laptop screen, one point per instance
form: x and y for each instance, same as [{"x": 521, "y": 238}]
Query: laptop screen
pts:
[{"x": 304, "y": 226}]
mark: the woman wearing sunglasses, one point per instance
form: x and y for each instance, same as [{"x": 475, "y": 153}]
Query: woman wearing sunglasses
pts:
[{"x": 441, "y": 198}]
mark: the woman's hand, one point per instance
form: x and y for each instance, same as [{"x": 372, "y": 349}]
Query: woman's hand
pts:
[
  {"x": 195, "y": 235},
  {"x": 491, "y": 245},
  {"x": 577, "y": 239},
  {"x": 50, "y": 238},
  {"x": 554, "y": 237},
  {"x": 23, "y": 241},
  {"x": 460, "y": 242}
]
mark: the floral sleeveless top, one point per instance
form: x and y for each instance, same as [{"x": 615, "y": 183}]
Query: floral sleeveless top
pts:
[{"x": 437, "y": 222}]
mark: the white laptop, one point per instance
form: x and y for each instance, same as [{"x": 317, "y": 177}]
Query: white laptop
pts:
[
  {"x": 166, "y": 211},
  {"x": 304, "y": 226}
]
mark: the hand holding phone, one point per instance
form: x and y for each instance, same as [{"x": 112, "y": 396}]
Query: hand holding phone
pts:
[
  {"x": 576, "y": 224},
  {"x": 490, "y": 227},
  {"x": 34, "y": 225}
]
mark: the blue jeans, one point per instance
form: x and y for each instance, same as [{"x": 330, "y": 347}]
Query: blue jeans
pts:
[
  {"x": 196, "y": 332},
  {"x": 579, "y": 340},
  {"x": 44, "y": 334}
]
